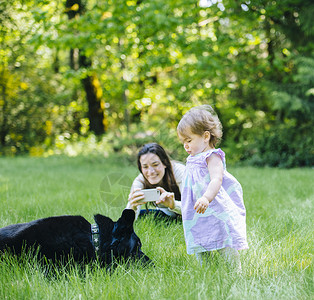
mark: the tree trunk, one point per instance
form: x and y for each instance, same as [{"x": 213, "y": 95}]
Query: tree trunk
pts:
[
  {"x": 96, "y": 113},
  {"x": 3, "y": 129}
]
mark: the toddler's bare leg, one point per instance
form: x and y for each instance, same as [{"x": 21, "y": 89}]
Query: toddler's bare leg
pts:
[
  {"x": 232, "y": 257},
  {"x": 204, "y": 257}
]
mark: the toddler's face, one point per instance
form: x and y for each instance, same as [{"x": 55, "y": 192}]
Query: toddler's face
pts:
[{"x": 194, "y": 143}]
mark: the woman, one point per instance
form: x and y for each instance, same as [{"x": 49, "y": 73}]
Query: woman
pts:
[{"x": 157, "y": 172}]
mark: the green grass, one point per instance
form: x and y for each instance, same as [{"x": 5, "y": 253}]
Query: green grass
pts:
[{"x": 278, "y": 264}]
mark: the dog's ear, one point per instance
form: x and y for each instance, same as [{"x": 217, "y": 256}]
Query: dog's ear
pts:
[
  {"x": 127, "y": 217},
  {"x": 103, "y": 221},
  {"x": 124, "y": 225}
]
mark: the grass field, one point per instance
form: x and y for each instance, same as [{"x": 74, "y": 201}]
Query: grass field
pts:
[{"x": 278, "y": 264}]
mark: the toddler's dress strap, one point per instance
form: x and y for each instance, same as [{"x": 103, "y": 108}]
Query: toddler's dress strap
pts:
[{"x": 218, "y": 152}]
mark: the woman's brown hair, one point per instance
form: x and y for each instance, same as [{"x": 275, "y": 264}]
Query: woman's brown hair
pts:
[{"x": 168, "y": 182}]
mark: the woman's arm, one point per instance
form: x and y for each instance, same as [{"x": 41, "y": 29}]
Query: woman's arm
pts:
[
  {"x": 167, "y": 198},
  {"x": 177, "y": 207},
  {"x": 178, "y": 172},
  {"x": 135, "y": 195}
]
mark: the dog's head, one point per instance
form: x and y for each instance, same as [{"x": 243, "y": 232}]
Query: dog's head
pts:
[{"x": 118, "y": 240}]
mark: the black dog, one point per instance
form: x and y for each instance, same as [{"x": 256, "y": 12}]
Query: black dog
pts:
[{"x": 62, "y": 238}]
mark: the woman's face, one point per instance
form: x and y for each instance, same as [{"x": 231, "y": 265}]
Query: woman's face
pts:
[{"x": 152, "y": 168}]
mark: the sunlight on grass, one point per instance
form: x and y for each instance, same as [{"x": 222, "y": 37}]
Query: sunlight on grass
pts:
[{"x": 278, "y": 264}]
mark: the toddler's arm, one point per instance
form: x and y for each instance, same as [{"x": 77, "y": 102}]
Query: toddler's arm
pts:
[{"x": 215, "y": 168}]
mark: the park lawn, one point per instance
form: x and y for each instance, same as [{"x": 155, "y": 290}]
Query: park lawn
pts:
[{"x": 278, "y": 264}]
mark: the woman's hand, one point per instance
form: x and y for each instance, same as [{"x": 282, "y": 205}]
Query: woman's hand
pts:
[
  {"x": 136, "y": 198},
  {"x": 166, "y": 198},
  {"x": 201, "y": 205}
]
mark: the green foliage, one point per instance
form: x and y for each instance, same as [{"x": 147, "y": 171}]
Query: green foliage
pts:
[
  {"x": 288, "y": 142},
  {"x": 252, "y": 61},
  {"x": 285, "y": 147},
  {"x": 35, "y": 113}
]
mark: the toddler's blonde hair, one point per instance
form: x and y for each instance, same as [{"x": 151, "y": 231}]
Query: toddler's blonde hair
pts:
[{"x": 200, "y": 119}]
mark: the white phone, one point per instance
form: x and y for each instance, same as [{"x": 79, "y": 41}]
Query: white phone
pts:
[{"x": 151, "y": 195}]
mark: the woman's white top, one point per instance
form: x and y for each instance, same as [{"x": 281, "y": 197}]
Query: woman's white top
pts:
[{"x": 178, "y": 171}]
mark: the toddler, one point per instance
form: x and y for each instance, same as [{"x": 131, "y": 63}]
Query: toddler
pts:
[{"x": 213, "y": 211}]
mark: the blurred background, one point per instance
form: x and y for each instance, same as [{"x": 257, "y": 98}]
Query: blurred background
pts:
[{"x": 82, "y": 77}]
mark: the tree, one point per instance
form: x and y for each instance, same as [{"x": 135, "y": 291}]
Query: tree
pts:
[
  {"x": 78, "y": 59},
  {"x": 153, "y": 60}
]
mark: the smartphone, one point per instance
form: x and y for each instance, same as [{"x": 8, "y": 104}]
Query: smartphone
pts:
[{"x": 151, "y": 195}]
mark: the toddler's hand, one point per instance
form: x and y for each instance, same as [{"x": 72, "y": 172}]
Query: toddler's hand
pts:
[{"x": 201, "y": 205}]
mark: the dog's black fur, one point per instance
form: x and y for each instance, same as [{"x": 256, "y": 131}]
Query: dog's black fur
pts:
[{"x": 64, "y": 238}]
